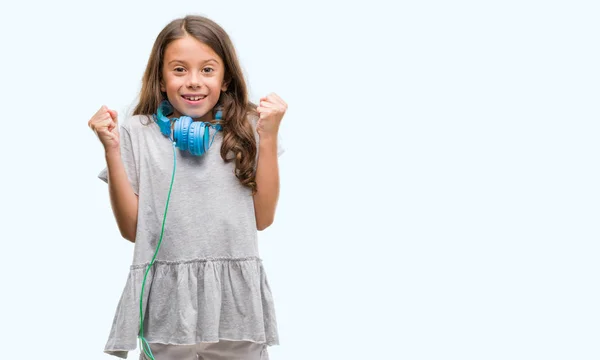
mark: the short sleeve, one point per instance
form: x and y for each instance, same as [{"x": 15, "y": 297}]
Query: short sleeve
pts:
[
  {"x": 280, "y": 148},
  {"x": 129, "y": 161}
]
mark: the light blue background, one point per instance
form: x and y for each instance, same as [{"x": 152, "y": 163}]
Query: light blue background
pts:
[{"x": 439, "y": 191}]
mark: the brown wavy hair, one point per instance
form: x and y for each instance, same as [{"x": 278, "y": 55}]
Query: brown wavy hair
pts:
[{"x": 239, "y": 142}]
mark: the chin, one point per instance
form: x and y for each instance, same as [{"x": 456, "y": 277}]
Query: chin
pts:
[{"x": 194, "y": 114}]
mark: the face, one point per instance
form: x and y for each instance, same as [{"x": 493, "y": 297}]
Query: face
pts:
[{"x": 192, "y": 78}]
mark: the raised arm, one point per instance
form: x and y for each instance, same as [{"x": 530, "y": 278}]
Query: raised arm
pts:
[
  {"x": 123, "y": 200},
  {"x": 271, "y": 111}
]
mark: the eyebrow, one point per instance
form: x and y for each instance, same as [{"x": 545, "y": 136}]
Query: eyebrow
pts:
[{"x": 183, "y": 62}]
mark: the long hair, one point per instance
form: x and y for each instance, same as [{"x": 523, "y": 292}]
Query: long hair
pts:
[{"x": 239, "y": 142}]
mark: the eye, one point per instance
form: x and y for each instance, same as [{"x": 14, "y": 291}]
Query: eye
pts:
[
  {"x": 179, "y": 69},
  {"x": 208, "y": 69}
]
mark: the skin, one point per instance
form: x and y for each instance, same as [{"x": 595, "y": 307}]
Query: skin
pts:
[
  {"x": 191, "y": 68},
  {"x": 271, "y": 109},
  {"x": 123, "y": 200}
]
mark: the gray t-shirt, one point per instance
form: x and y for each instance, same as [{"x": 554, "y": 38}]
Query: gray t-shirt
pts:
[{"x": 207, "y": 282}]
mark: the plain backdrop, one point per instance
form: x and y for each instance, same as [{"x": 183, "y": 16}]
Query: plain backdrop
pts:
[{"x": 439, "y": 190}]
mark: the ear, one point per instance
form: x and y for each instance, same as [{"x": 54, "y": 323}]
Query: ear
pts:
[
  {"x": 162, "y": 87},
  {"x": 224, "y": 86}
]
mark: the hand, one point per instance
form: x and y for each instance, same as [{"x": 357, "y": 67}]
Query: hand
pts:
[
  {"x": 104, "y": 124},
  {"x": 271, "y": 111}
]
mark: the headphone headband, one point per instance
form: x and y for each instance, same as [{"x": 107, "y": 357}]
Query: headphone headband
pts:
[{"x": 187, "y": 134}]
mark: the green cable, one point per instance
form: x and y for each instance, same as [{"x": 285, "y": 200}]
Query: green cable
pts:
[{"x": 143, "y": 341}]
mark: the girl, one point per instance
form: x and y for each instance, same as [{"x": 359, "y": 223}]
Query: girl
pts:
[{"x": 197, "y": 287}]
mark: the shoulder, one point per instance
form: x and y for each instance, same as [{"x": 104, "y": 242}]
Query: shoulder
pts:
[
  {"x": 137, "y": 123},
  {"x": 252, "y": 119}
]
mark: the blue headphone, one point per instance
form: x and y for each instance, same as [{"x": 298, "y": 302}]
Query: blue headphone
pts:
[{"x": 187, "y": 134}]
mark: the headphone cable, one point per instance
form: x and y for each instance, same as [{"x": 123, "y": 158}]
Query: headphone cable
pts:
[{"x": 145, "y": 347}]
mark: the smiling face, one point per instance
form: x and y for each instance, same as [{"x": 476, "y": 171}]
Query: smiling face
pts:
[{"x": 192, "y": 78}]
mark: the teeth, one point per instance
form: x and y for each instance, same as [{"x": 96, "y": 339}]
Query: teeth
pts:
[{"x": 195, "y": 98}]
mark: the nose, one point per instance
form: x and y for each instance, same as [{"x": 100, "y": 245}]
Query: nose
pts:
[{"x": 194, "y": 80}]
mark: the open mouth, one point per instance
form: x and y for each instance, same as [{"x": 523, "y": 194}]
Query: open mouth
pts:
[{"x": 194, "y": 98}]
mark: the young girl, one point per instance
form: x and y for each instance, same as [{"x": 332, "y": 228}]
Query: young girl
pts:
[{"x": 192, "y": 175}]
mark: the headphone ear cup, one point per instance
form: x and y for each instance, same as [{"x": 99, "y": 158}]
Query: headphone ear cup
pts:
[
  {"x": 196, "y": 138},
  {"x": 164, "y": 123},
  {"x": 206, "y": 141},
  {"x": 181, "y": 131}
]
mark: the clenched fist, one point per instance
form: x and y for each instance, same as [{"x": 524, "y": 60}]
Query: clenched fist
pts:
[
  {"x": 104, "y": 124},
  {"x": 271, "y": 110}
]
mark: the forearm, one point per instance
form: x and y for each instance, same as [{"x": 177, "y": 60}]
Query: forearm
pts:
[
  {"x": 267, "y": 183},
  {"x": 123, "y": 200}
]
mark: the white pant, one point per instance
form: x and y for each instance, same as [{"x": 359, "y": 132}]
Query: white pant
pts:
[{"x": 223, "y": 350}]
